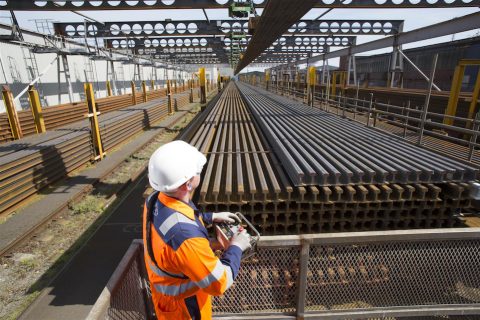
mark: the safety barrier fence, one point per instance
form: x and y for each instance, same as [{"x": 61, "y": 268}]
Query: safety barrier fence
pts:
[
  {"x": 395, "y": 274},
  {"x": 411, "y": 122}
]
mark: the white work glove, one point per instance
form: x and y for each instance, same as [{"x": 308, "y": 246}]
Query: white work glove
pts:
[
  {"x": 241, "y": 240},
  {"x": 225, "y": 217}
]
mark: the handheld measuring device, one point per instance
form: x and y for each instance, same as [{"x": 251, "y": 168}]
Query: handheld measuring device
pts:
[{"x": 226, "y": 231}]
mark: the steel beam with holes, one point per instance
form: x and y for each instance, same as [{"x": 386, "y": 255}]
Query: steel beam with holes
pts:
[
  {"x": 121, "y": 29},
  {"x": 287, "y": 43},
  {"x": 164, "y": 42},
  {"x": 212, "y": 4},
  {"x": 220, "y": 51}
]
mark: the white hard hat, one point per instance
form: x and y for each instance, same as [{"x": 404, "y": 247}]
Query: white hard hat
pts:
[{"x": 173, "y": 164}]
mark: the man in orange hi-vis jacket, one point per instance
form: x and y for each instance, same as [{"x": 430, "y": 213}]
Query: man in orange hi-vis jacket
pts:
[{"x": 182, "y": 268}]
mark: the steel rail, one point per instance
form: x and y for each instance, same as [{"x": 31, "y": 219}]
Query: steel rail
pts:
[
  {"x": 402, "y": 162},
  {"x": 244, "y": 173},
  {"x": 32, "y": 163}
]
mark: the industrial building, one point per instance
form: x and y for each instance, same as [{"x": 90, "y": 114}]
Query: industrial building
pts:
[{"x": 359, "y": 169}]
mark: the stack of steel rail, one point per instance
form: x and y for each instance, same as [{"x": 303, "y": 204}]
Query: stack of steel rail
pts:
[
  {"x": 30, "y": 164},
  {"x": 244, "y": 173},
  {"x": 60, "y": 115}
]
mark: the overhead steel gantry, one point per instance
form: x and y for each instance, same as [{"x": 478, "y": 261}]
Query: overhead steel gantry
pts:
[
  {"x": 84, "y": 5},
  {"x": 222, "y": 28},
  {"x": 276, "y": 18},
  {"x": 147, "y": 37}
]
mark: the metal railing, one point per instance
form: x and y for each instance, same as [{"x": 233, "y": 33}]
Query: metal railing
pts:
[{"x": 414, "y": 273}]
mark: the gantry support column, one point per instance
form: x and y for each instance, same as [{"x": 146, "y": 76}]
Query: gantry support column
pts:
[
  {"x": 13, "y": 120},
  {"x": 36, "y": 107},
  {"x": 169, "y": 97},
  {"x": 267, "y": 79},
  {"x": 93, "y": 116},
  {"x": 203, "y": 94},
  {"x": 297, "y": 80},
  {"x": 311, "y": 85}
]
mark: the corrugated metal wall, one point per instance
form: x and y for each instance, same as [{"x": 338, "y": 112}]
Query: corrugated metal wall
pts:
[{"x": 375, "y": 68}]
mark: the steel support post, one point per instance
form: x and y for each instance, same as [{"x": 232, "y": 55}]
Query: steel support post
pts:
[
  {"x": 219, "y": 82},
  {"x": 297, "y": 80},
  {"x": 190, "y": 87},
  {"x": 475, "y": 96},
  {"x": 454, "y": 93},
  {"x": 36, "y": 107},
  {"x": 152, "y": 85},
  {"x": 134, "y": 92},
  {"x": 203, "y": 94},
  {"x": 301, "y": 293},
  {"x": 324, "y": 71},
  {"x": 334, "y": 84},
  {"x": 473, "y": 138},
  {"x": 13, "y": 120},
  {"x": 370, "y": 109},
  {"x": 93, "y": 116},
  {"x": 396, "y": 65},
  {"x": 311, "y": 85},
  {"x": 113, "y": 77},
  {"x": 144, "y": 91},
  {"x": 169, "y": 97},
  {"x": 267, "y": 79},
  {"x": 427, "y": 100},
  {"x": 109, "y": 88}
]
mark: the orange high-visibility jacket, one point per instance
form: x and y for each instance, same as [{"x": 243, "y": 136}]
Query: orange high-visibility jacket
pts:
[{"x": 182, "y": 268}]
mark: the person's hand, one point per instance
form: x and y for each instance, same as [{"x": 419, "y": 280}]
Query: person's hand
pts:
[
  {"x": 241, "y": 240},
  {"x": 225, "y": 217}
]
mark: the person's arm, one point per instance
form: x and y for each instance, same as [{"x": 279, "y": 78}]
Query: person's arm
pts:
[
  {"x": 197, "y": 261},
  {"x": 207, "y": 218}
]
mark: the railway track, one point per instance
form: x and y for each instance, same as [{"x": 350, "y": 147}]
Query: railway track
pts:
[{"x": 244, "y": 173}]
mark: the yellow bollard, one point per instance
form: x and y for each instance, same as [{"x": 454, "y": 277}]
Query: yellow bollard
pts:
[
  {"x": 144, "y": 91},
  {"x": 203, "y": 94},
  {"x": 134, "y": 93},
  {"x": 36, "y": 107},
  {"x": 109, "y": 89},
  {"x": 13, "y": 120},
  {"x": 311, "y": 85},
  {"x": 267, "y": 79},
  {"x": 93, "y": 116}
]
